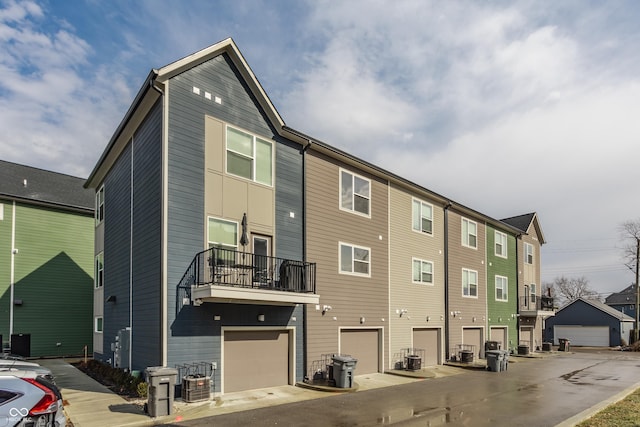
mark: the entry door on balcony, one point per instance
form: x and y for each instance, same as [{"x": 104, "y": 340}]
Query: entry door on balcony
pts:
[{"x": 262, "y": 251}]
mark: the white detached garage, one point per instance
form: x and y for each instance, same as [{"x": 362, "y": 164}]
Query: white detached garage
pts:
[{"x": 588, "y": 323}]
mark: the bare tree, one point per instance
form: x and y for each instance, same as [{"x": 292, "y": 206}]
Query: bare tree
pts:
[
  {"x": 569, "y": 289},
  {"x": 630, "y": 231}
]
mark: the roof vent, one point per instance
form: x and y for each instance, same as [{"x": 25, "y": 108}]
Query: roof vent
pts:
[{"x": 24, "y": 182}]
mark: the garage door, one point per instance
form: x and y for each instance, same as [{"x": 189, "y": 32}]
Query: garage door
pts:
[
  {"x": 590, "y": 336},
  {"x": 429, "y": 341},
  {"x": 500, "y": 335},
  {"x": 526, "y": 337},
  {"x": 362, "y": 344},
  {"x": 255, "y": 359},
  {"x": 474, "y": 336}
]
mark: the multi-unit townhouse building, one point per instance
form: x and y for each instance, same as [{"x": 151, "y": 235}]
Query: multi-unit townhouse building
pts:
[
  {"x": 46, "y": 274},
  {"x": 227, "y": 238}
]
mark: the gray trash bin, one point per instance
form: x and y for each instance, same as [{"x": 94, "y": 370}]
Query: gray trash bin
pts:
[
  {"x": 494, "y": 360},
  {"x": 505, "y": 360},
  {"x": 162, "y": 381},
  {"x": 343, "y": 368}
]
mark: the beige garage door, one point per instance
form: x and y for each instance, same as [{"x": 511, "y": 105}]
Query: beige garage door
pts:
[
  {"x": 255, "y": 359},
  {"x": 500, "y": 335},
  {"x": 362, "y": 344},
  {"x": 429, "y": 341},
  {"x": 526, "y": 337},
  {"x": 474, "y": 336}
]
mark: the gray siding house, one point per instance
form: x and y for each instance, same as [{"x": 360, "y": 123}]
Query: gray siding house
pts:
[{"x": 199, "y": 240}]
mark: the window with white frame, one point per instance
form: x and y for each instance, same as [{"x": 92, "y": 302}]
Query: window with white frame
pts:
[
  {"x": 223, "y": 233},
  {"x": 355, "y": 193},
  {"x": 501, "y": 244},
  {"x": 469, "y": 283},
  {"x": 99, "y": 271},
  {"x": 249, "y": 157},
  {"x": 422, "y": 271},
  {"x": 528, "y": 253},
  {"x": 502, "y": 284},
  {"x": 469, "y": 233},
  {"x": 99, "y": 212},
  {"x": 532, "y": 293},
  {"x": 97, "y": 324},
  {"x": 422, "y": 217},
  {"x": 355, "y": 260}
]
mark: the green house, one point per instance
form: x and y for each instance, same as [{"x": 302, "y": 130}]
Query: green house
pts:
[
  {"x": 502, "y": 285},
  {"x": 46, "y": 262}
]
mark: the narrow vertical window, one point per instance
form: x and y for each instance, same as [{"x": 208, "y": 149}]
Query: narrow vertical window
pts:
[
  {"x": 502, "y": 284},
  {"x": 97, "y": 324},
  {"x": 469, "y": 283},
  {"x": 528, "y": 253},
  {"x": 422, "y": 217},
  {"x": 501, "y": 244},
  {"x": 99, "y": 270},
  {"x": 99, "y": 212},
  {"x": 469, "y": 233}
]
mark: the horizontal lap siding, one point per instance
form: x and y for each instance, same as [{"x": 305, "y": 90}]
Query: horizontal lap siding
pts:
[
  {"x": 473, "y": 259},
  {"x": 147, "y": 243},
  {"x": 419, "y": 299},
  {"x": 53, "y": 274},
  {"x": 350, "y": 297},
  {"x": 117, "y": 240},
  {"x": 5, "y": 268},
  {"x": 502, "y": 313}
]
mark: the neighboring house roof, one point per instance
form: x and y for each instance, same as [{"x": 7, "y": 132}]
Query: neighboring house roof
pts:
[
  {"x": 524, "y": 223},
  {"x": 626, "y": 296},
  {"x": 33, "y": 185},
  {"x": 602, "y": 307}
]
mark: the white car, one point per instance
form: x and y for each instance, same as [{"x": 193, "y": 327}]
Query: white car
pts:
[{"x": 27, "y": 399}]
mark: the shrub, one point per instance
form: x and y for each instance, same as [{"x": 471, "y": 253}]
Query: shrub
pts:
[{"x": 119, "y": 380}]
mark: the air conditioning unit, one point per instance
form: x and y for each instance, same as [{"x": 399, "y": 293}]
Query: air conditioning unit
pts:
[{"x": 196, "y": 388}]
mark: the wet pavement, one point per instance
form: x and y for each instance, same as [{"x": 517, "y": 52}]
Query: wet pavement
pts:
[{"x": 532, "y": 392}]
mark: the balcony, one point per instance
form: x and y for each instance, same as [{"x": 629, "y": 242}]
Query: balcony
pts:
[
  {"x": 224, "y": 275},
  {"x": 533, "y": 306}
]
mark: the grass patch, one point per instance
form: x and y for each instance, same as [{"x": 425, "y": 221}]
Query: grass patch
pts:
[{"x": 625, "y": 413}]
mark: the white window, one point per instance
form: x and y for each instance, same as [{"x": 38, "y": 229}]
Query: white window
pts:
[
  {"x": 99, "y": 213},
  {"x": 528, "y": 253},
  {"x": 223, "y": 234},
  {"x": 502, "y": 284},
  {"x": 422, "y": 217},
  {"x": 249, "y": 157},
  {"x": 97, "y": 324},
  {"x": 469, "y": 283},
  {"x": 355, "y": 260},
  {"x": 469, "y": 233},
  {"x": 355, "y": 193},
  {"x": 532, "y": 293},
  {"x": 422, "y": 271},
  {"x": 501, "y": 244},
  {"x": 99, "y": 271}
]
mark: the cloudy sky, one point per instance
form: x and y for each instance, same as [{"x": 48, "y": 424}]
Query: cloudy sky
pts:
[{"x": 506, "y": 107}]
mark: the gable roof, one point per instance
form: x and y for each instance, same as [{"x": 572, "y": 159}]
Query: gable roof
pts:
[
  {"x": 626, "y": 296},
  {"x": 602, "y": 307},
  {"x": 525, "y": 222},
  {"x": 33, "y": 185}
]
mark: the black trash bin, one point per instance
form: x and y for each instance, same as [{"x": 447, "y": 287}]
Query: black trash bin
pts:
[{"x": 343, "y": 370}]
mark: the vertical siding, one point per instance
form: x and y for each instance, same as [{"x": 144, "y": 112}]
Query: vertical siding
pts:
[
  {"x": 146, "y": 248},
  {"x": 117, "y": 248},
  {"x": 473, "y": 259},
  {"x": 53, "y": 274},
  {"x": 193, "y": 334},
  {"x": 502, "y": 313},
  {"x": 420, "y": 300},
  {"x": 350, "y": 297}
]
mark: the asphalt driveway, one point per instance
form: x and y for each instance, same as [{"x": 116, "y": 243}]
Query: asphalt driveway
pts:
[{"x": 532, "y": 392}]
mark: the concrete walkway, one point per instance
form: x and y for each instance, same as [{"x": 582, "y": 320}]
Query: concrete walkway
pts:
[{"x": 90, "y": 404}]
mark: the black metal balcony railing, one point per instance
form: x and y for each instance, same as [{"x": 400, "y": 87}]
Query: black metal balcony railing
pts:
[
  {"x": 226, "y": 267},
  {"x": 536, "y": 303}
]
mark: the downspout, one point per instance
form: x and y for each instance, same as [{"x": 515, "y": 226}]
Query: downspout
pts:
[
  {"x": 163, "y": 238},
  {"x": 304, "y": 248},
  {"x": 519, "y": 236},
  {"x": 131, "y": 195},
  {"x": 446, "y": 280},
  {"x": 12, "y": 277}
]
